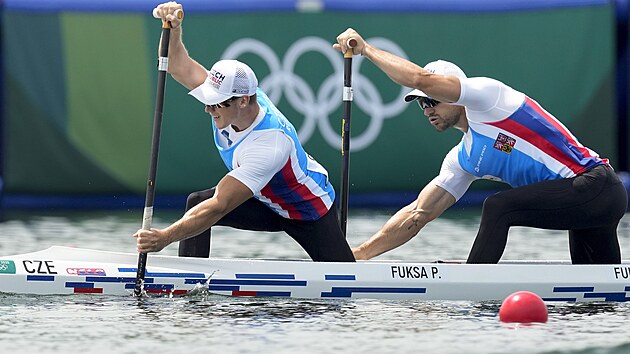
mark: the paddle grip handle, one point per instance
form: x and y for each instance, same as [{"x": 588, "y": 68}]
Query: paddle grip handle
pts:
[
  {"x": 179, "y": 13},
  {"x": 351, "y": 43}
]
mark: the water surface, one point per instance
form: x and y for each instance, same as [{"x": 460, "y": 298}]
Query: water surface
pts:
[{"x": 205, "y": 323}]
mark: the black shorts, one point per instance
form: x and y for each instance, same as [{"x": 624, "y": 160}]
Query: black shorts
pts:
[
  {"x": 322, "y": 239},
  {"x": 589, "y": 205}
]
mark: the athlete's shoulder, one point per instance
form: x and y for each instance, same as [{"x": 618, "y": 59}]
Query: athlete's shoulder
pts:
[{"x": 487, "y": 98}]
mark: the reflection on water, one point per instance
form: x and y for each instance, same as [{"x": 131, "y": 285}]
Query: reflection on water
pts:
[
  {"x": 447, "y": 238},
  {"x": 587, "y": 309},
  {"x": 253, "y": 325},
  {"x": 204, "y": 323}
]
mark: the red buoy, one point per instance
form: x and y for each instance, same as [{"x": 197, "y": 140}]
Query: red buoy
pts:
[{"x": 523, "y": 307}]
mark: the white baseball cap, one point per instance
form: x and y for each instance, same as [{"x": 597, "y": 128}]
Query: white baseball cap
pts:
[
  {"x": 441, "y": 67},
  {"x": 226, "y": 79}
]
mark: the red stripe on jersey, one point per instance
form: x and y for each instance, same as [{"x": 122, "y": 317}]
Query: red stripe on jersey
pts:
[
  {"x": 268, "y": 192},
  {"x": 301, "y": 189},
  {"x": 289, "y": 208},
  {"x": 535, "y": 139},
  {"x": 553, "y": 121},
  {"x": 293, "y": 186}
]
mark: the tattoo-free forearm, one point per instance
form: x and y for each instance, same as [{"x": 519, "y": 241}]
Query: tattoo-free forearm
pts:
[
  {"x": 407, "y": 73},
  {"x": 195, "y": 221}
]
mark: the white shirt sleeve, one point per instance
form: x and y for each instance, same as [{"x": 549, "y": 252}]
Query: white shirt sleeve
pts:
[
  {"x": 452, "y": 177},
  {"x": 479, "y": 93},
  {"x": 260, "y": 157},
  {"x": 488, "y": 99}
]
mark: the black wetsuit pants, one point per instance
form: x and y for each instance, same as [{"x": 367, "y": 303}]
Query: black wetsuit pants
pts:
[
  {"x": 322, "y": 239},
  {"x": 589, "y": 205}
]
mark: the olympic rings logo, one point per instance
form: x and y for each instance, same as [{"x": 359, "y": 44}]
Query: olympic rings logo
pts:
[{"x": 317, "y": 106}]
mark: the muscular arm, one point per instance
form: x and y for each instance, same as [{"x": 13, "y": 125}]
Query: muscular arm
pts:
[
  {"x": 407, "y": 222},
  {"x": 181, "y": 66},
  {"x": 441, "y": 87},
  {"x": 229, "y": 194}
]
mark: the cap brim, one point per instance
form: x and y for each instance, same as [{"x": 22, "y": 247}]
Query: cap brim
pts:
[
  {"x": 205, "y": 94},
  {"x": 414, "y": 95}
]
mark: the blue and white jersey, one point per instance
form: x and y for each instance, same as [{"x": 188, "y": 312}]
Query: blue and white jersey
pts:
[
  {"x": 268, "y": 158},
  {"x": 510, "y": 138}
]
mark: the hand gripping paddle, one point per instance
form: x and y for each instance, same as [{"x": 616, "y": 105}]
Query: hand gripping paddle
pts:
[{"x": 147, "y": 218}]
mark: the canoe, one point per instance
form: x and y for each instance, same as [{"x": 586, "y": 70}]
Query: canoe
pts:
[{"x": 66, "y": 270}]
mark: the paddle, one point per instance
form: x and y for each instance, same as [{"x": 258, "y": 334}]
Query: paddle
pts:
[
  {"x": 147, "y": 218},
  {"x": 345, "y": 134}
]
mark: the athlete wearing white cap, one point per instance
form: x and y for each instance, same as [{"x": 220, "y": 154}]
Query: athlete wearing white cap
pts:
[
  {"x": 507, "y": 136},
  {"x": 272, "y": 183}
]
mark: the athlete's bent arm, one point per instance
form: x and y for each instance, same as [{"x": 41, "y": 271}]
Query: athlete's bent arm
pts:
[
  {"x": 229, "y": 194},
  {"x": 181, "y": 66},
  {"x": 407, "y": 222},
  {"x": 444, "y": 88}
]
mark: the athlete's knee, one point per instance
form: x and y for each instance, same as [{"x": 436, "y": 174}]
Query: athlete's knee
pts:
[
  {"x": 493, "y": 208},
  {"x": 198, "y": 246},
  {"x": 495, "y": 202},
  {"x": 342, "y": 253},
  {"x": 195, "y": 198},
  {"x": 192, "y": 200}
]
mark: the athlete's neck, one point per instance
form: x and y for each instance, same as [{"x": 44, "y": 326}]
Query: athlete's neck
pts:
[{"x": 248, "y": 116}]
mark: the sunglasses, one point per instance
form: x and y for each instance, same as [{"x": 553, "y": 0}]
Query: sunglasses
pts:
[
  {"x": 223, "y": 104},
  {"x": 426, "y": 102}
]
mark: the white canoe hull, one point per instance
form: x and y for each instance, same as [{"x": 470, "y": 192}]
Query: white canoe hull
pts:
[{"x": 63, "y": 270}]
